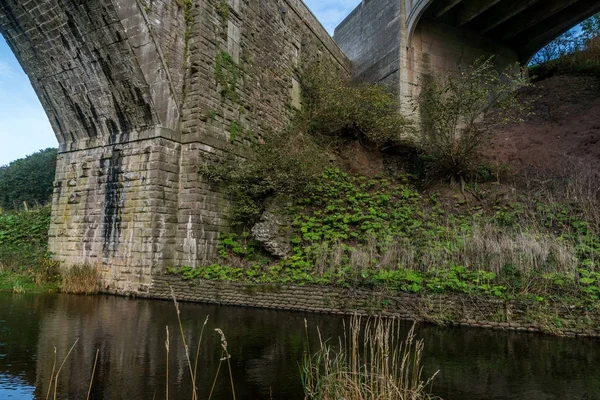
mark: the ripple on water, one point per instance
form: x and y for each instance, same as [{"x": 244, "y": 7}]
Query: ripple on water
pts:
[{"x": 15, "y": 388}]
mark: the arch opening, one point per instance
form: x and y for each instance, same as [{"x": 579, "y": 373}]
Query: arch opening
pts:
[{"x": 24, "y": 127}]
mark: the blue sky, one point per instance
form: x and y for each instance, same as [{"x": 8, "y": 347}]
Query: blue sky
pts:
[{"x": 24, "y": 127}]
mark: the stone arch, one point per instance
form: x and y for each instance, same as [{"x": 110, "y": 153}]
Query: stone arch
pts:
[
  {"x": 522, "y": 26},
  {"x": 109, "y": 76},
  {"x": 132, "y": 91},
  {"x": 414, "y": 11},
  {"x": 94, "y": 68}
]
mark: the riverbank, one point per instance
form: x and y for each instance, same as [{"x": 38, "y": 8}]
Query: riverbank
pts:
[
  {"x": 23, "y": 283},
  {"x": 441, "y": 309},
  {"x": 25, "y": 265}
]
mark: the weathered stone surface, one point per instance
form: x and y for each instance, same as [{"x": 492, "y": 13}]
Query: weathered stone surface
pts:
[
  {"x": 133, "y": 91},
  {"x": 483, "y": 312},
  {"x": 274, "y": 231}
]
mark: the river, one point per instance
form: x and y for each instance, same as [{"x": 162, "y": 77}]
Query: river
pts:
[{"x": 265, "y": 346}]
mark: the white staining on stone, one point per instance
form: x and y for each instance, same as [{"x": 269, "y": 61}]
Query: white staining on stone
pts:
[
  {"x": 233, "y": 41},
  {"x": 296, "y": 94},
  {"x": 190, "y": 248}
]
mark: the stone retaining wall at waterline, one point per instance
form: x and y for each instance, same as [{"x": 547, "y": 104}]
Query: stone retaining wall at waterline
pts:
[{"x": 447, "y": 309}]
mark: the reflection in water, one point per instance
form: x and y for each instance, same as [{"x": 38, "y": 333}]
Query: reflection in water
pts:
[
  {"x": 15, "y": 388},
  {"x": 265, "y": 346}
]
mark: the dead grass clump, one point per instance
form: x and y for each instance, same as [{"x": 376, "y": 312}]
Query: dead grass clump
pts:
[
  {"x": 370, "y": 362},
  {"x": 571, "y": 183},
  {"x": 491, "y": 249},
  {"x": 80, "y": 279}
]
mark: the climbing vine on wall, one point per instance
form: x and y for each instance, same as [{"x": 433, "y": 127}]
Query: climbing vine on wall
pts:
[{"x": 223, "y": 10}]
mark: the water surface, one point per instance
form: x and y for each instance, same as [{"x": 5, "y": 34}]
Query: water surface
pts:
[{"x": 266, "y": 347}]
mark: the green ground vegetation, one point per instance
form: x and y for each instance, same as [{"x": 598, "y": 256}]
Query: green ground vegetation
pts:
[
  {"x": 353, "y": 231},
  {"x": 25, "y": 265},
  {"x": 456, "y": 228},
  {"x": 28, "y": 181}
]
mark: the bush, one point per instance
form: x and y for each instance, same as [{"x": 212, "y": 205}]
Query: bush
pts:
[
  {"x": 286, "y": 163},
  {"x": 459, "y": 111},
  {"x": 585, "y": 61},
  {"x": 28, "y": 180},
  {"x": 336, "y": 108},
  {"x": 24, "y": 238},
  {"x": 576, "y": 52}
]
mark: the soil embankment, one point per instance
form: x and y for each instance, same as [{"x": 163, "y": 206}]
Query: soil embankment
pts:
[{"x": 562, "y": 133}]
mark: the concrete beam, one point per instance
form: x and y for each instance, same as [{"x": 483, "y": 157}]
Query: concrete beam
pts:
[
  {"x": 541, "y": 34},
  {"x": 443, "y": 6},
  {"x": 470, "y": 9},
  {"x": 528, "y": 18},
  {"x": 501, "y": 13}
]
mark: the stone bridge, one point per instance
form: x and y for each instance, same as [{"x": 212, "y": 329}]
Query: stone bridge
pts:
[
  {"x": 139, "y": 91},
  {"x": 394, "y": 41}
]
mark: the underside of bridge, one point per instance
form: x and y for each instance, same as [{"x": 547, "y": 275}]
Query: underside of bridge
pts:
[
  {"x": 523, "y": 25},
  {"x": 396, "y": 42}
]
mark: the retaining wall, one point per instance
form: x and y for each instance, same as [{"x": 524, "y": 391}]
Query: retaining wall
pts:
[{"x": 442, "y": 309}]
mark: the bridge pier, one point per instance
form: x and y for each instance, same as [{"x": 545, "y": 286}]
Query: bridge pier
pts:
[{"x": 138, "y": 93}]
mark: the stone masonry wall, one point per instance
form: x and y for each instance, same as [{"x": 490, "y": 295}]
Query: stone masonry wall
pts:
[
  {"x": 138, "y": 93},
  {"x": 112, "y": 208},
  {"x": 445, "y": 309},
  {"x": 245, "y": 60}
]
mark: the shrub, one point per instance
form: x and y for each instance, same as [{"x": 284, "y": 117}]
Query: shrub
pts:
[
  {"x": 576, "y": 52},
  {"x": 24, "y": 239},
  {"x": 334, "y": 107},
  {"x": 284, "y": 164},
  {"x": 458, "y": 112}
]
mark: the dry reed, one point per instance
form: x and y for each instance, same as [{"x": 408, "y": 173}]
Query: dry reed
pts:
[
  {"x": 80, "y": 279},
  {"x": 370, "y": 362}
]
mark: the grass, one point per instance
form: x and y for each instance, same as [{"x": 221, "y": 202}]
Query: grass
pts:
[
  {"x": 20, "y": 283},
  {"x": 25, "y": 264},
  {"x": 351, "y": 231},
  {"x": 80, "y": 279},
  {"x": 371, "y": 361}
]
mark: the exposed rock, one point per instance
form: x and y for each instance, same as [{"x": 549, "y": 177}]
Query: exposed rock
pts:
[{"x": 274, "y": 231}]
